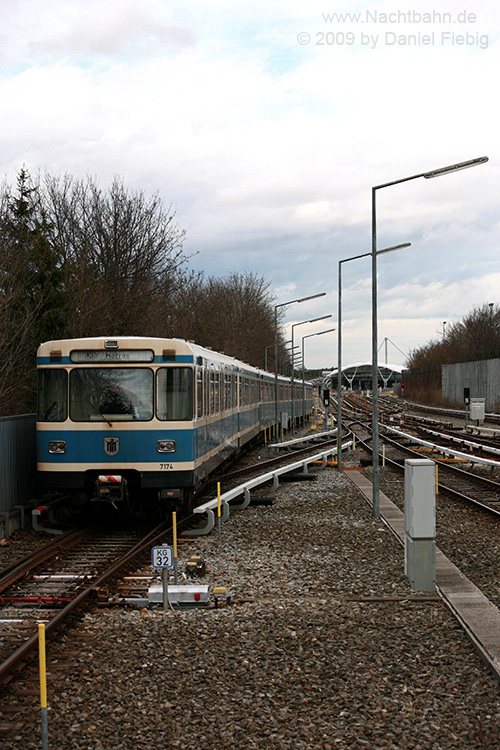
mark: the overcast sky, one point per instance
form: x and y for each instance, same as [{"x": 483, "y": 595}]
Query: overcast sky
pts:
[{"x": 267, "y": 124}]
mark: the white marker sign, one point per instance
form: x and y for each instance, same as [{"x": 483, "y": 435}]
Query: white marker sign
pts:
[{"x": 162, "y": 557}]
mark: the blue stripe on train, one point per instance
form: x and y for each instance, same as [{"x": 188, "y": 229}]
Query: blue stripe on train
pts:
[
  {"x": 140, "y": 446},
  {"x": 134, "y": 446}
]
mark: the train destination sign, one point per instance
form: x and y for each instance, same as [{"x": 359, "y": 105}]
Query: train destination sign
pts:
[
  {"x": 162, "y": 557},
  {"x": 92, "y": 356}
]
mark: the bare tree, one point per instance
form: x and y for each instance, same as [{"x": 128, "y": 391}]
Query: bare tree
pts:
[
  {"x": 79, "y": 260},
  {"x": 233, "y": 314},
  {"x": 476, "y": 337},
  {"x": 120, "y": 246}
]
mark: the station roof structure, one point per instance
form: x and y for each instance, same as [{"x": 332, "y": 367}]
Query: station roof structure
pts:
[{"x": 357, "y": 368}]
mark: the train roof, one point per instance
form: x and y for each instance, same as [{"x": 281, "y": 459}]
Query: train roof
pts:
[{"x": 181, "y": 347}]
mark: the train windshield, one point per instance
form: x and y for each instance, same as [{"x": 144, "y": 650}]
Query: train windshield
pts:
[
  {"x": 110, "y": 394},
  {"x": 174, "y": 387}
]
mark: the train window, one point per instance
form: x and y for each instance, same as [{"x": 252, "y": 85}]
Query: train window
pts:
[
  {"x": 52, "y": 395},
  {"x": 174, "y": 398},
  {"x": 111, "y": 393},
  {"x": 207, "y": 392},
  {"x": 228, "y": 391},
  {"x": 199, "y": 393},
  {"x": 212, "y": 392},
  {"x": 216, "y": 392}
]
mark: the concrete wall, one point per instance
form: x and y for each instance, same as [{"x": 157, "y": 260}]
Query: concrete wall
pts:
[{"x": 483, "y": 379}]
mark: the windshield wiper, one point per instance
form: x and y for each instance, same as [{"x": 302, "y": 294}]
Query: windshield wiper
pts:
[{"x": 97, "y": 411}]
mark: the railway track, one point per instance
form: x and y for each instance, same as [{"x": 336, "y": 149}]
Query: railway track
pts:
[
  {"x": 58, "y": 578},
  {"x": 209, "y": 659},
  {"x": 73, "y": 568},
  {"x": 263, "y": 466},
  {"x": 465, "y": 485},
  {"x": 487, "y": 447},
  {"x": 73, "y": 572},
  {"x": 460, "y": 414}
]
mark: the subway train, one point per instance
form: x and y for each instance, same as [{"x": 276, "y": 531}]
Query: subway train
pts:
[{"x": 133, "y": 419}]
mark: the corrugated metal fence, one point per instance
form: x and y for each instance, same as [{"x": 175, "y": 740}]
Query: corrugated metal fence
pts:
[
  {"x": 482, "y": 378},
  {"x": 18, "y": 477}
]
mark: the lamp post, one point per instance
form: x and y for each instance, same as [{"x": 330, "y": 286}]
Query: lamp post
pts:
[
  {"x": 271, "y": 346},
  {"x": 339, "y": 345},
  {"x": 289, "y": 350},
  {"x": 319, "y": 333},
  {"x": 283, "y": 304},
  {"x": 302, "y": 322},
  {"x": 427, "y": 175}
]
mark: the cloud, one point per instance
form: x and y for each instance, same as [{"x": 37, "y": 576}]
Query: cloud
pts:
[
  {"x": 87, "y": 33},
  {"x": 268, "y": 148}
]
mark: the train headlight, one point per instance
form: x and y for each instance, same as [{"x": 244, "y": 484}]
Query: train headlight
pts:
[
  {"x": 57, "y": 446},
  {"x": 165, "y": 446}
]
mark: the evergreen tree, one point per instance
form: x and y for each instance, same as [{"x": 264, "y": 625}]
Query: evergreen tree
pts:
[{"x": 32, "y": 290}]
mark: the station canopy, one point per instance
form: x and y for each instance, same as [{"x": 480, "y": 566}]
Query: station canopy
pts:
[{"x": 362, "y": 372}]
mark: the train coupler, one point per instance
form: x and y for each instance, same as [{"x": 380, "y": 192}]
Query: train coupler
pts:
[{"x": 110, "y": 488}]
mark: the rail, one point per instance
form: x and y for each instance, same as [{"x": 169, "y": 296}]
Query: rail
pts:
[
  {"x": 445, "y": 450},
  {"x": 100, "y": 578},
  {"x": 245, "y": 487},
  {"x": 305, "y": 439}
]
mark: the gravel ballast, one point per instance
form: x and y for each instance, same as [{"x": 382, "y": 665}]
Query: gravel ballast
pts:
[{"x": 322, "y": 647}]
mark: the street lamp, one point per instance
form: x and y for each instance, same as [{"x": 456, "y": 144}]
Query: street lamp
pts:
[
  {"x": 339, "y": 344},
  {"x": 319, "y": 333},
  {"x": 289, "y": 350},
  {"x": 313, "y": 320},
  {"x": 427, "y": 176},
  {"x": 271, "y": 346},
  {"x": 283, "y": 304}
]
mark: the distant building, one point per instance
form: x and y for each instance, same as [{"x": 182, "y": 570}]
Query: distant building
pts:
[{"x": 359, "y": 376}]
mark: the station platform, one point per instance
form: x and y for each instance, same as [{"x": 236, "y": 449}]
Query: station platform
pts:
[{"x": 479, "y": 618}]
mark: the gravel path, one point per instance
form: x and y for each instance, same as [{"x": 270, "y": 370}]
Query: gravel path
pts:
[{"x": 321, "y": 648}]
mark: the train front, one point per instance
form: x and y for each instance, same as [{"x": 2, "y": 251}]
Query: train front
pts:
[{"x": 115, "y": 420}]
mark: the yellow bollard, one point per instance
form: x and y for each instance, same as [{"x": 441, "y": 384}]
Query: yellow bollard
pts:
[
  {"x": 218, "y": 509},
  {"x": 174, "y": 539},
  {"x": 43, "y": 683}
]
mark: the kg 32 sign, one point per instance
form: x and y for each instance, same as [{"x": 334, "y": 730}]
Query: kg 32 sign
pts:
[{"x": 162, "y": 557}]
